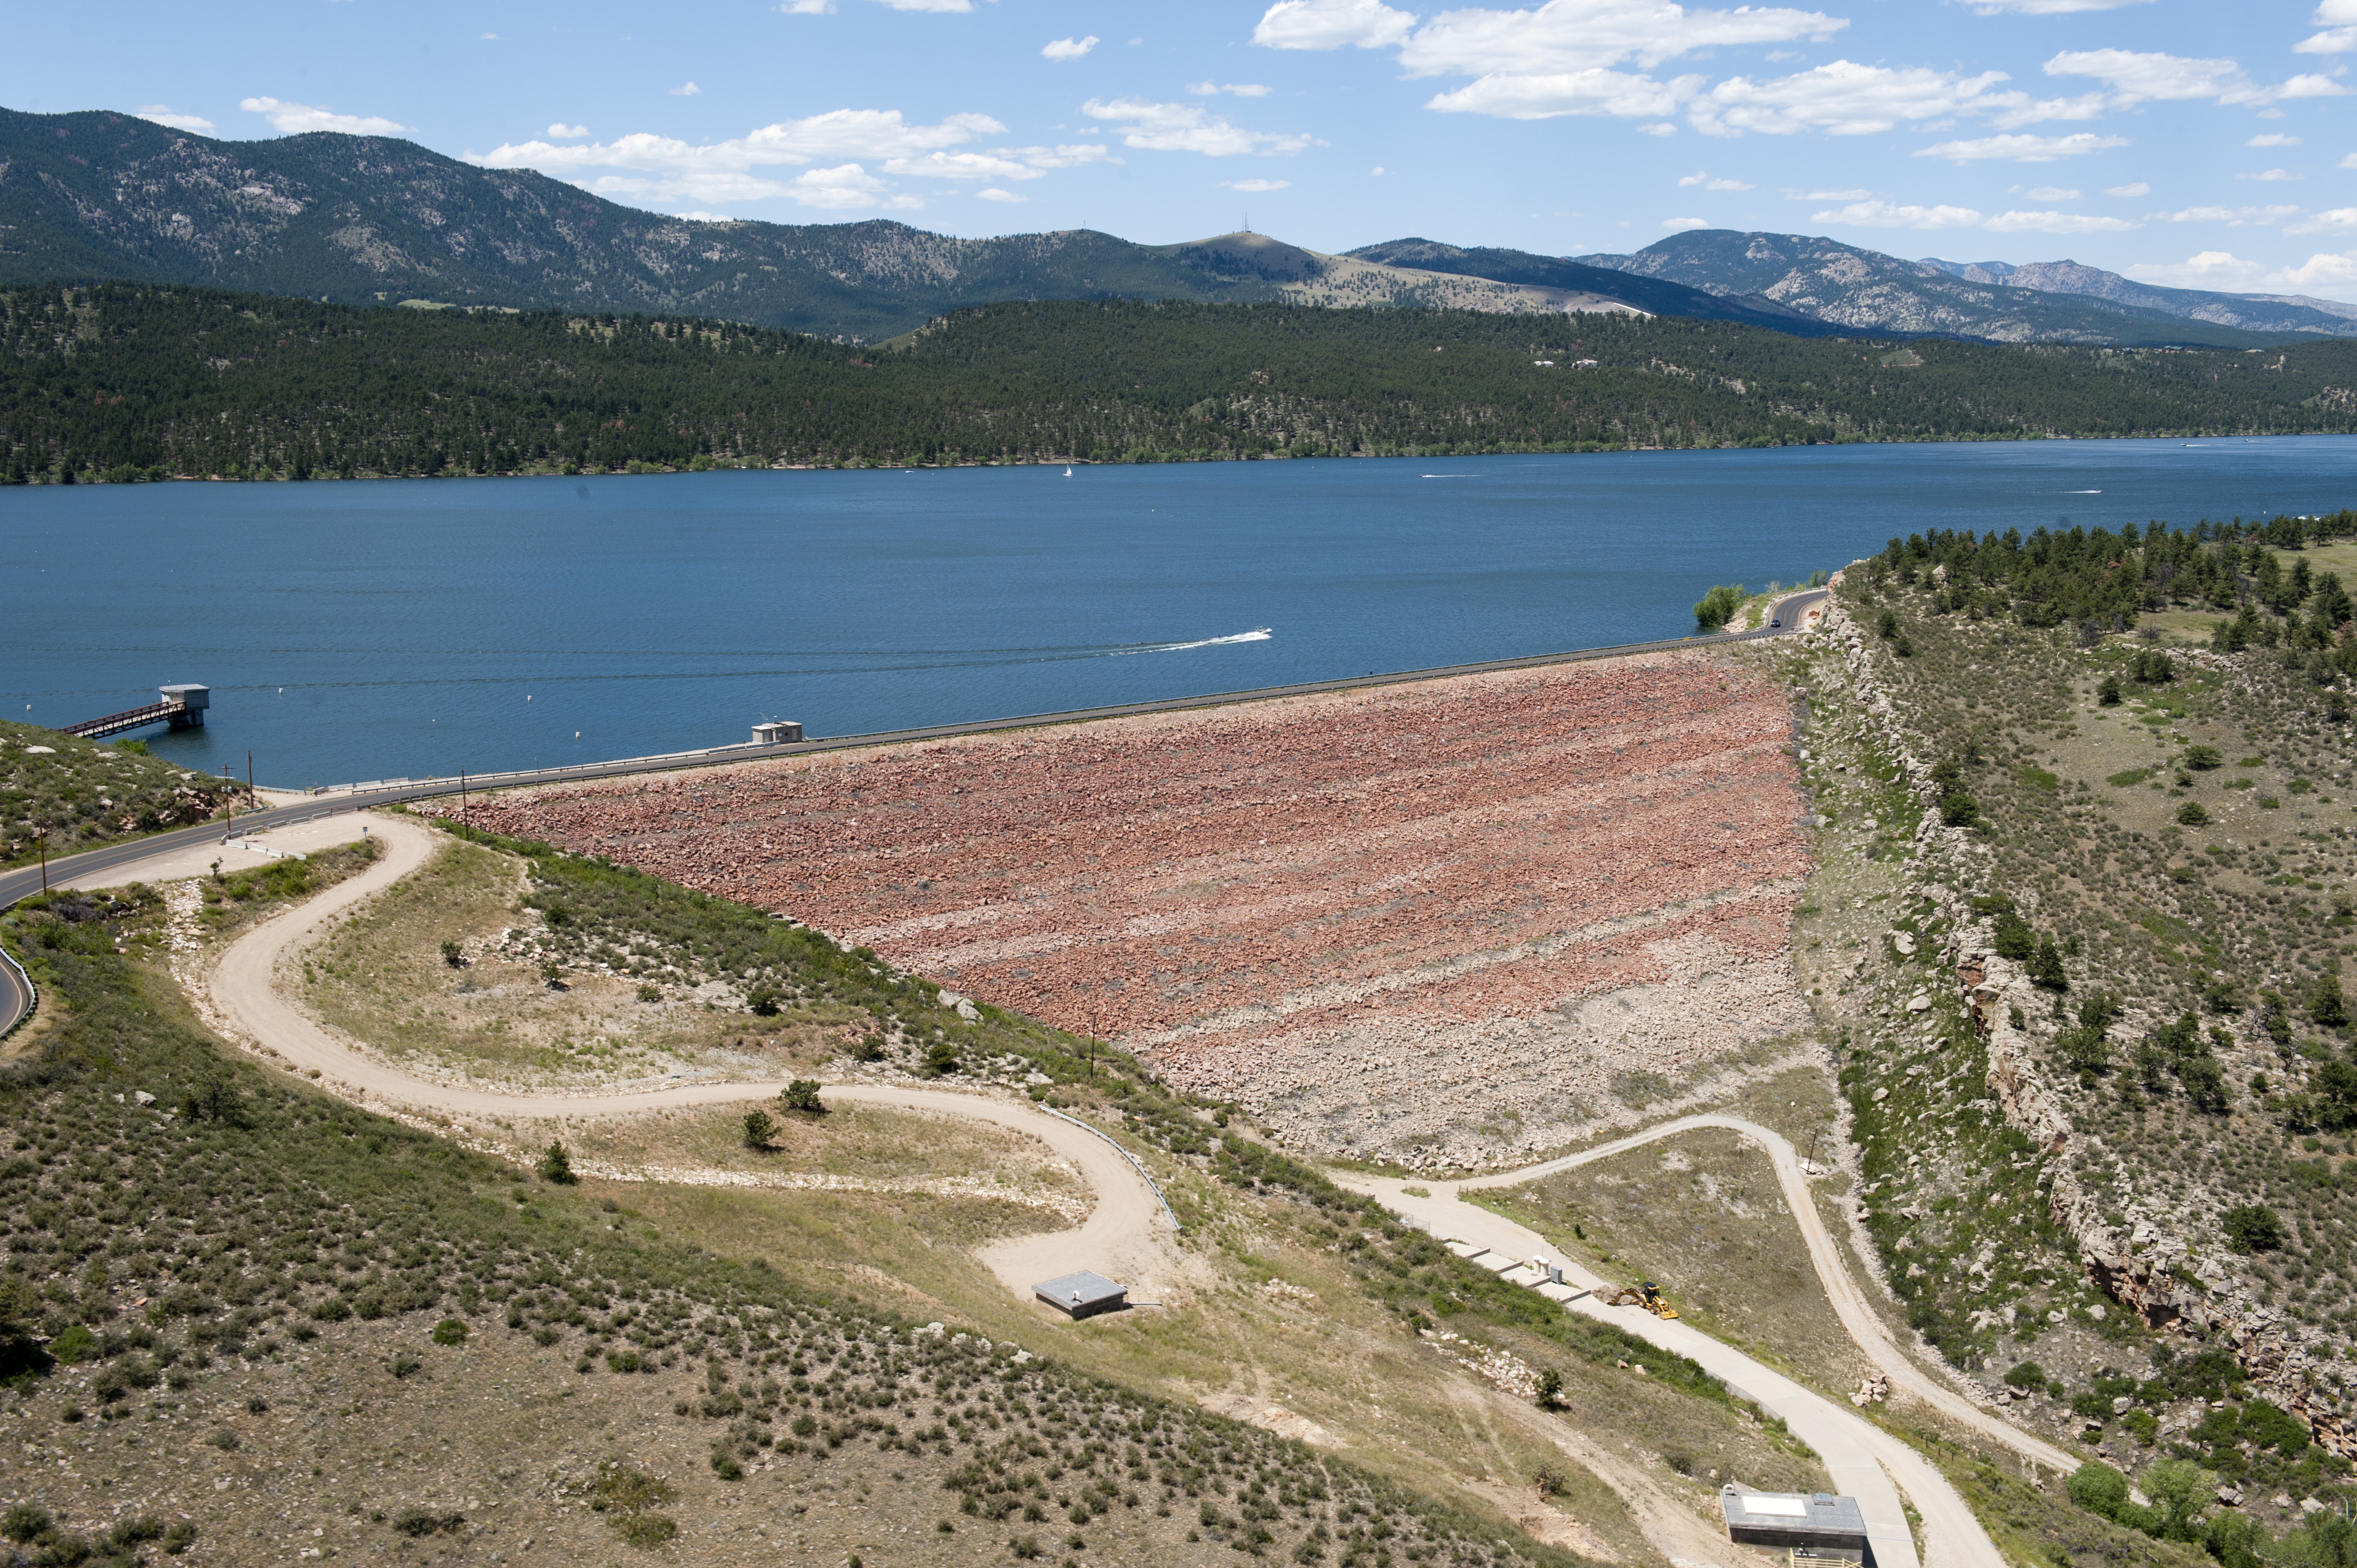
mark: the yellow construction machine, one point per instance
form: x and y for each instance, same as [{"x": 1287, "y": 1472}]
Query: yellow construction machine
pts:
[{"x": 1645, "y": 1293}]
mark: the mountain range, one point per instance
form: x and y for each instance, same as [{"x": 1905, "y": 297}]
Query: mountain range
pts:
[{"x": 376, "y": 220}]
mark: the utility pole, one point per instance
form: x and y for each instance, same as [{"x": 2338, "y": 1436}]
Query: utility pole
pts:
[
  {"x": 249, "y": 774},
  {"x": 462, "y": 799},
  {"x": 41, "y": 837}
]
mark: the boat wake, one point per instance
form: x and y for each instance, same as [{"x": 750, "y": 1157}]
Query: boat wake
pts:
[
  {"x": 2083, "y": 492},
  {"x": 1259, "y": 634}
]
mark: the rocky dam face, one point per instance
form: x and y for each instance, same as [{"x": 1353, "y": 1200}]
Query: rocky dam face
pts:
[{"x": 1444, "y": 924}]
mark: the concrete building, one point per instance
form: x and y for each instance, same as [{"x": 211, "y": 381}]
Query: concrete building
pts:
[
  {"x": 1083, "y": 1295},
  {"x": 1807, "y": 1527},
  {"x": 779, "y": 732}
]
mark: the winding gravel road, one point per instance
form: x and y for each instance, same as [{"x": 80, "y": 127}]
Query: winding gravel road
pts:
[
  {"x": 1126, "y": 1237},
  {"x": 1865, "y": 1461}
]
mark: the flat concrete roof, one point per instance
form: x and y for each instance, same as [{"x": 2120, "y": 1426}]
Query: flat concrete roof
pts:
[
  {"x": 1080, "y": 1293},
  {"x": 1791, "y": 1516}
]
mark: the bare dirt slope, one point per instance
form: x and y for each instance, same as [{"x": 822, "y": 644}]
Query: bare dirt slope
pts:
[{"x": 1446, "y": 924}]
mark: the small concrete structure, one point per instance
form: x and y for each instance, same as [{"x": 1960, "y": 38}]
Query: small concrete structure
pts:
[
  {"x": 779, "y": 731},
  {"x": 191, "y": 701},
  {"x": 1808, "y": 1528},
  {"x": 1083, "y": 1295},
  {"x": 182, "y": 707}
]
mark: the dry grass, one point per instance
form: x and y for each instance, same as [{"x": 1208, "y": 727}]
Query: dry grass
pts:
[
  {"x": 382, "y": 978},
  {"x": 1701, "y": 1215}
]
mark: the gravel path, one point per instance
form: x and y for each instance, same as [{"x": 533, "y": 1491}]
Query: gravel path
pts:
[{"x": 1124, "y": 1237}]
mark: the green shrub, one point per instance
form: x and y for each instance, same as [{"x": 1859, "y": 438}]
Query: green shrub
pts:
[
  {"x": 556, "y": 1166},
  {"x": 76, "y": 1345},
  {"x": 2253, "y": 1228},
  {"x": 450, "y": 1331},
  {"x": 802, "y": 1094},
  {"x": 1714, "y": 609},
  {"x": 647, "y": 1529},
  {"x": 2099, "y": 1489},
  {"x": 25, "y": 1523},
  {"x": 759, "y": 1128},
  {"x": 2191, "y": 815},
  {"x": 2202, "y": 758}
]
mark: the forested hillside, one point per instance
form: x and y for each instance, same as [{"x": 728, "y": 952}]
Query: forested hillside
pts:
[{"x": 126, "y": 381}]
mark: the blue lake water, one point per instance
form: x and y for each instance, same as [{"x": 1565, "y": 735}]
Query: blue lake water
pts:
[{"x": 363, "y": 630}]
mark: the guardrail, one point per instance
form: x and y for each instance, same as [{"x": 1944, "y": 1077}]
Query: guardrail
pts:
[
  {"x": 32, "y": 993},
  {"x": 1151, "y": 1185}
]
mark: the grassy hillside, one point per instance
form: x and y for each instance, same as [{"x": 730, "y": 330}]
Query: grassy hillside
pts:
[
  {"x": 2085, "y": 930},
  {"x": 357, "y": 1334},
  {"x": 79, "y": 794},
  {"x": 125, "y": 381}
]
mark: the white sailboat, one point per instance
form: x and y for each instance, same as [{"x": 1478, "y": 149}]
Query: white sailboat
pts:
[{"x": 1068, "y": 471}]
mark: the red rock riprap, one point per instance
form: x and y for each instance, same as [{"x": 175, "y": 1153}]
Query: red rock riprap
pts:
[{"x": 1445, "y": 923}]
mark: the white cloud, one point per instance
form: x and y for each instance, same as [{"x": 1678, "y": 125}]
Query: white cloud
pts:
[
  {"x": 1513, "y": 96},
  {"x": 1377, "y": 170},
  {"x": 1686, "y": 223},
  {"x": 993, "y": 193},
  {"x": 2339, "y": 36},
  {"x": 1186, "y": 128},
  {"x": 162, "y": 115},
  {"x": 296, "y": 119},
  {"x": 490, "y": 38},
  {"x": 2273, "y": 139},
  {"x": 2341, "y": 219},
  {"x": 1701, "y": 178},
  {"x": 2138, "y": 189},
  {"x": 1662, "y": 128},
  {"x": 1563, "y": 36},
  {"x": 1884, "y": 215},
  {"x": 1070, "y": 48},
  {"x": 2053, "y": 193},
  {"x": 1843, "y": 99},
  {"x": 566, "y": 131},
  {"x": 2335, "y": 276},
  {"x": 2135, "y": 78},
  {"x": 808, "y": 7},
  {"x": 1257, "y": 185},
  {"x": 2349, "y": 162},
  {"x": 854, "y": 144},
  {"x": 2045, "y": 7},
  {"x": 1332, "y": 25},
  {"x": 1063, "y": 156},
  {"x": 2054, "y": 223},
  {"x": 2271, "y": 175},
  {"x": 686, "y": 90},
  {"x": 941, "y": 6},
  {"x": 2021, "y": 148},
  {"x": 1234, "y": 89},
  {"x": 2330, "y": 274},
  {"x": 2210, "y": 269},
  {"x": 2232, "y": 217},
  {"x": 705, "y": 217}
]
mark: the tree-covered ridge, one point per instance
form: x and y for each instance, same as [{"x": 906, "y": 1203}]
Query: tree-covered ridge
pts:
[
  {"x": 129, "y": 381},
  {"x": 2103, "y": 580}
]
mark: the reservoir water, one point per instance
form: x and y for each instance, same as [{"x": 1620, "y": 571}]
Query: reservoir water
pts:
[{"x": 403, "y": 627}]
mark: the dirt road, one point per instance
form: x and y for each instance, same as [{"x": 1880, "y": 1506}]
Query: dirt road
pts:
[
  {"x": 1126, "y": 1237},
  {"x": 1848, "y": 1298},
  {"x": 1864, "y": 1460}
]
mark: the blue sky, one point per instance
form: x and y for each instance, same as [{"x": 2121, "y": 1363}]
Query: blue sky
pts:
[{"x": 2201, "y": 145}]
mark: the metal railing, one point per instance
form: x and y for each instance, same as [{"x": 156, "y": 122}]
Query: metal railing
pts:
[
  {"x": 1151, "y": 1185},
  {"x": 32, "y": 993}
]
